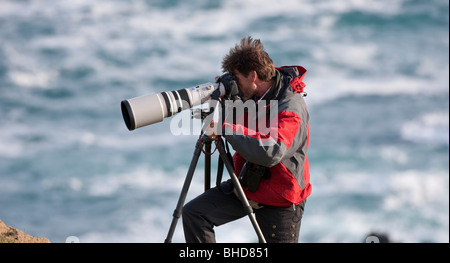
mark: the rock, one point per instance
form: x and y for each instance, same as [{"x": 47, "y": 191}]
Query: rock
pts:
[{"x": 11, "y": 235}]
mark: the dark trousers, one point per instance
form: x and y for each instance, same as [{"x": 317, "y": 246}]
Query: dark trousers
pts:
[{"x": 215, "y": 208}]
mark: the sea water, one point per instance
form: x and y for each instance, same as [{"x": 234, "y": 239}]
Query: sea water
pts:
[{"x": 377, "y": 84}]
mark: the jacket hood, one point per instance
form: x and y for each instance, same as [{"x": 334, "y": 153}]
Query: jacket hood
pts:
[{"x": 296, "y": 74}]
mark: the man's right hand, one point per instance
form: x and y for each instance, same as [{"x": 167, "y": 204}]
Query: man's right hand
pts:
[{"x": 231, "y": 88}]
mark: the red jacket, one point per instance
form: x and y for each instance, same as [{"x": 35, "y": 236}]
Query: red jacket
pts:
[{"x": 282, "y": 146}]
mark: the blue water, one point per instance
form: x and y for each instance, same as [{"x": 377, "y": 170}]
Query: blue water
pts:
[{"x": 378, "y": 96}]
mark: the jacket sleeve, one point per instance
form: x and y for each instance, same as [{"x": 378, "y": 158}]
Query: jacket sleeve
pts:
[{"x": 266, "y": 146}]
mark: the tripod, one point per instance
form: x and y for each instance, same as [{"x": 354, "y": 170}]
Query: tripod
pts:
[{"x": 203, "y": 139}]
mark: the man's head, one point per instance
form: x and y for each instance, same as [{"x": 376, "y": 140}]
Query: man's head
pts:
[{"x": 251, "y": 65}]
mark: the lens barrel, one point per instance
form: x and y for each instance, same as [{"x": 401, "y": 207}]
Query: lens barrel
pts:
[{"x": 149, "y": 109}]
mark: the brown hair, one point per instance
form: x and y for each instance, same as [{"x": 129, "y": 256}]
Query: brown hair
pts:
[{"x": 248, "y": 56}]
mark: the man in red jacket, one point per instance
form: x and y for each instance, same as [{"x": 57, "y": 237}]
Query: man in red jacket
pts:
[{"x": 271, "y": 159}]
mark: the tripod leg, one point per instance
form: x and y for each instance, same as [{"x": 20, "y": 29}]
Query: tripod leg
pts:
[
  {"x": 241, "y": 194},
  {"x": 184, "y": 191},
  {"x": 207, "y": 164}
]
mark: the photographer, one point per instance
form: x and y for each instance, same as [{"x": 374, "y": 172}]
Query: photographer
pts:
[{"x": 272, "y": 165}]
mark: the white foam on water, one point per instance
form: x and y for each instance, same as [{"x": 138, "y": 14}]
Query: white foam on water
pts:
[
  {"x": 417, "y": 189},
  {"x": 410, "y": 206},
  {"x": 173, "y": 30},
  {"x": 402, "y": 193},
  {"x": 33, "y": 79},
  {"x": 152, "y": 226},
  {"x": 11, "y": 148},
  {"x": 431, "y": 128},
  {"x": 423, "y": 197},
  {"x": 10, "y": 143},
  {"x": 153, "y": 180}
]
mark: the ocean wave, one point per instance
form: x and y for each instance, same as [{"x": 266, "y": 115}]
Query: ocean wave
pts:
[
  {"x": 34, "y": 79},
  {"x": 414, "y": 188},
  {"x": 431, "y": 128},
  {"x": 155, "y": 181},
  {"x": 152, "y": 224},
  {"x": 128, "y": 41},
  {"x": 402, "y": 193},
  {"x": 410, "y": 205}
]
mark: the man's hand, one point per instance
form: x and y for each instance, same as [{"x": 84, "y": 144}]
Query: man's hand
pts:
[{"x": 231, "y": 87}]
